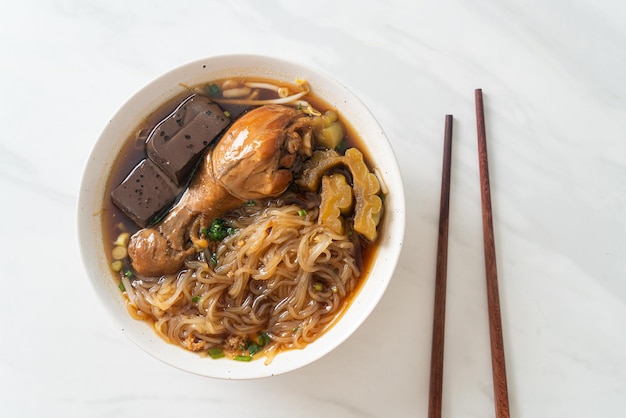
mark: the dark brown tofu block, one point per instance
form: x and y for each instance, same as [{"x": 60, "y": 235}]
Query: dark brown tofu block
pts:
[
  {"x": 145, "y": 194},
  {"x": 178, "y": 141}
]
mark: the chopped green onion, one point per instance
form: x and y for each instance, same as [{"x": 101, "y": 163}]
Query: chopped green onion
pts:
[
  {"x": 318, "y": 286},
  {"x": 213, "y": 89},
  {"x": 295, "y": 330},
  {"x": 253, "y": 349},
  {"x": 242, "y": 358},
  {"x": 302, "y": 212},
  {"x": 227, "y": 113},
  {"x": 121, "y": 287},
  {"x": 250, "y": 203},
  {"x": 213, "y": 259},
  {"x": 216, "y": 352},
  {"x": 264, "y": 339},
  {"x": 128, "y": 273},
  {"x": 218, "y": 230},
  {"x": 196, "y": 299}
]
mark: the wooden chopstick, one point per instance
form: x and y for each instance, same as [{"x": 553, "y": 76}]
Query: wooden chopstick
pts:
[
  {"x": 439, "y": 317},
  {"x": 493, "y": 302}
]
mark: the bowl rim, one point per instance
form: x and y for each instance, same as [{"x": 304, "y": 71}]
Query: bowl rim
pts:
[{"x": 145, "y": 100}]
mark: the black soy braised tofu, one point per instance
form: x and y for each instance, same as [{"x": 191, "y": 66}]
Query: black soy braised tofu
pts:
[
  {"x": 145, "y": 194},
  {"x": 178, "y": 141}
]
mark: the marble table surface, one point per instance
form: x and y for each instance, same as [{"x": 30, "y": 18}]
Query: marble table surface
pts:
[{"x": 553, "y": 74}]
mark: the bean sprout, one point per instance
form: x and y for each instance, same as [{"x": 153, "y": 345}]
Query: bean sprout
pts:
[
  {"x": 260, "y": 85},
  {"x": 379, "y": 175},
  {"x": 236, "y": 92},
  {"x": 233, "y": 92},
  {"x": 280, "y": 100},
  {"x": 307, "y": 108}
]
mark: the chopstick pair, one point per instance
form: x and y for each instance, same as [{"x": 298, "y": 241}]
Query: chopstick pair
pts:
[{"x": 501, "y": 398}]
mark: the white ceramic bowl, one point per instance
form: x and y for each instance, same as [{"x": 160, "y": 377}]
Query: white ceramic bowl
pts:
[{"x": 151, "y": 97}]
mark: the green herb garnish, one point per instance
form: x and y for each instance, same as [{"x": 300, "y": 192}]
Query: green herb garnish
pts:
[
  {"x": 264, "y": 339},
  {"x": 218, "y": 230},
  {"x": 213, "y": 259},
  {"x": 242, "y": 358},
  {"x": 213, "y": 90},
  {"x": 253, "y": 349},
  {"x": 216, "y": 352}
]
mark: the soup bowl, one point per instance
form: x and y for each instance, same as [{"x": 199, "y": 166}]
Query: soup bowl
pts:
[{"x": 122, "y": 125}]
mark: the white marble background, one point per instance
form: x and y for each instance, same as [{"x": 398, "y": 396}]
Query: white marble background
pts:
[{"x": 554, "y": 79}]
